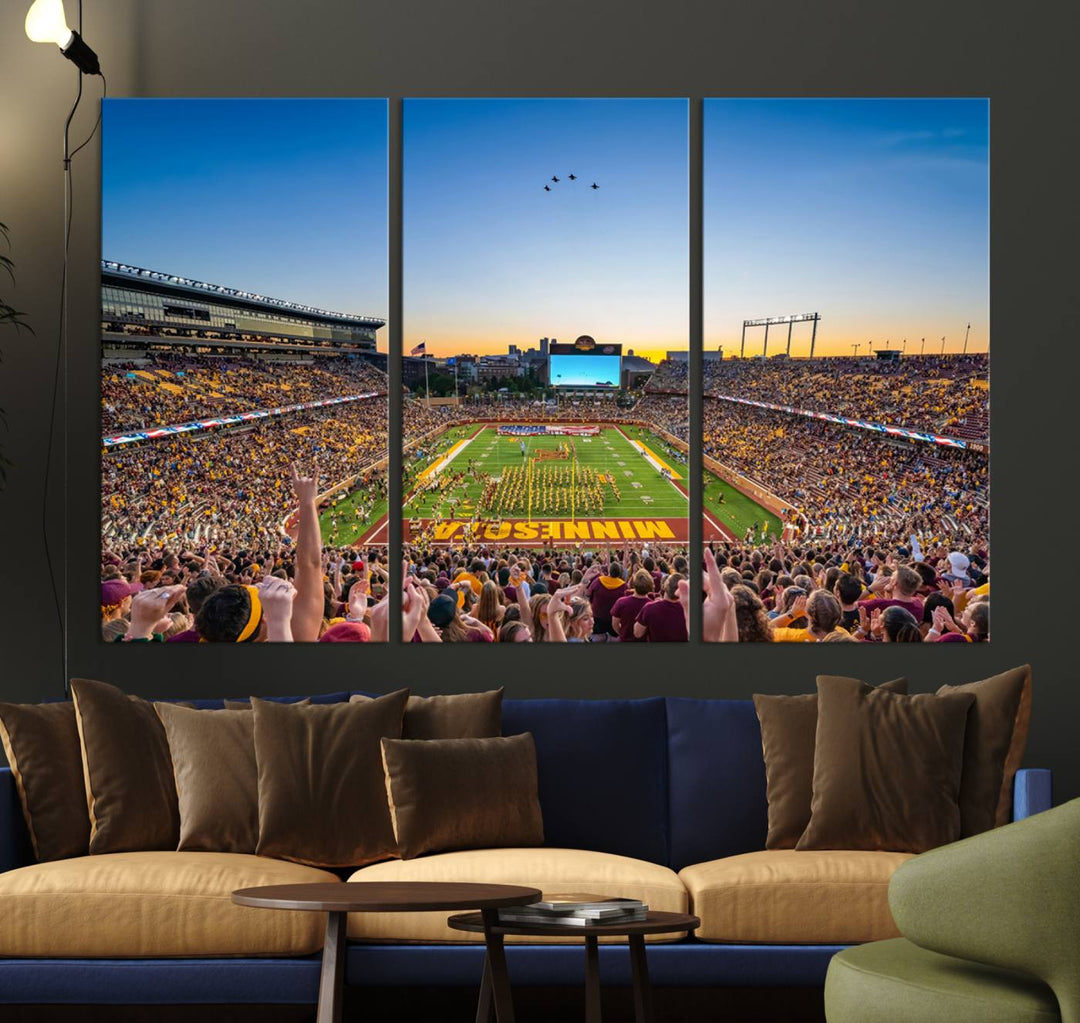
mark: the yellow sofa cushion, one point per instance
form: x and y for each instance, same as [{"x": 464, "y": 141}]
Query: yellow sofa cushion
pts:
[
  {"x": 153, "y": 904},
  {"x": 790, "y": 897},
  {"x": 550, "y": 870}
]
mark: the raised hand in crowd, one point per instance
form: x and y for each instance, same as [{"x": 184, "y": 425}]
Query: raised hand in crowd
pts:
[
  {"x": 718, "y": 610},
  {"x": 277, "y": 597},
  {"x": 150, "y": 611},
  {"x": 310, "y": 599},
  {"x": 358, "y": 597}
]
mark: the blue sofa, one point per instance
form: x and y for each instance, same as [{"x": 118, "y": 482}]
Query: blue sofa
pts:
[{"x": 675, "y": 782}]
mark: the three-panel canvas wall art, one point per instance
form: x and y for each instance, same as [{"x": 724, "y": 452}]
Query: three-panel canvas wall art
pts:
[{"x": 545, "y": 370}]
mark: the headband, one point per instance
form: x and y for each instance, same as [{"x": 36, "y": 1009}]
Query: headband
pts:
[{"x": 254, "y": 616}]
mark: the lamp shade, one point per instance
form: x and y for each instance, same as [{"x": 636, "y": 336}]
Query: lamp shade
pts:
[{"x": 45, "y": 23}]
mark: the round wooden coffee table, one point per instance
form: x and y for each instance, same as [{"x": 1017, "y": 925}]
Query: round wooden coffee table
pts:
[
  {"x": 338, "y": 900},
  {"x": 495, "y": 977}
]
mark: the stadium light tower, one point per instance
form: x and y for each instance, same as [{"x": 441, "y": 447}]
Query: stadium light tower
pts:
[
  {"x": 943, "y": 345},
  {"x": 922, "y": 347},
  {"x": 773, "y": 321},
  {"x": 855, "y": 349},
  {"x": 966, "y": 332},
  {"x": 903, "y": 347}
]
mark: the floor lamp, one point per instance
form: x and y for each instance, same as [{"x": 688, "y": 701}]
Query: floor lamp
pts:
[{"x": 46, "y": 23}]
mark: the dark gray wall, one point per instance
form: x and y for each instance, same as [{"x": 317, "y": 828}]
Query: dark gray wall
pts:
[{"x": 1017, "y": 55}]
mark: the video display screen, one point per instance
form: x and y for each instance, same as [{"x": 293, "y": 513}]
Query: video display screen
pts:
[{"x": 583, "y": 371}]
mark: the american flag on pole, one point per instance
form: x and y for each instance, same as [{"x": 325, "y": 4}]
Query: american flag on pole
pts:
[{"x": 419, "y": 349}]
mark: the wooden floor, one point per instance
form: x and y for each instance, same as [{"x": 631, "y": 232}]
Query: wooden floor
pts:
[{"x": 458, "y": 1005}]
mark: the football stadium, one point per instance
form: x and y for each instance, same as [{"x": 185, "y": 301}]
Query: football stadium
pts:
[
  {"x": 209, "y": 396},
  {"x": 874, "y": 474},
  {"x": 595, "y": 454},
  {"x": 548, "y": 484}
]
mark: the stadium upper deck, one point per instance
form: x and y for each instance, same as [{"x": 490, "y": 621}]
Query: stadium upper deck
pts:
[{"x": 138, "y": 304}]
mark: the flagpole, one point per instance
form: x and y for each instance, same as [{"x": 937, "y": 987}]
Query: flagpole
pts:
[{"x": 427, "y": 387}]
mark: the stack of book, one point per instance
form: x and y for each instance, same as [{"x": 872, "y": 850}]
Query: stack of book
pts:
[{"x": 575, "y": 909}]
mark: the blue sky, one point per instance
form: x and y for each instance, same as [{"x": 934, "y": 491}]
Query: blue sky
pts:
[
  {"x": 284, "y": 197},
  {"x": 492, "y": 259},
  {"x": 874, "y": 213}
]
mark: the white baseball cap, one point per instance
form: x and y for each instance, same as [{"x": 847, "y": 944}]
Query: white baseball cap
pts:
[{"x": 959, "y": 563}]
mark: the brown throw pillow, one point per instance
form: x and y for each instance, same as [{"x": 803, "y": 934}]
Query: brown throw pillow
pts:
[
  {"x": 217, "y": 781},
  {"x": 997, "y": 732},
  {"x": 322, "y": 796},
  {"x": 463, "y": 793},
  {"x": 459, "y": 716},
  {"x": 886, "y": 768},
  {"x": 246, "y": 704},
  {"x": 42, "y": 746},
  {"x": 127, "y": 770},
  {"x": 788, "y": 725}
]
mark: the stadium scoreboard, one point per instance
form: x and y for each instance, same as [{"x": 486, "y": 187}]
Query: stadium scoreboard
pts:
[{"x": 585, "y": 365}]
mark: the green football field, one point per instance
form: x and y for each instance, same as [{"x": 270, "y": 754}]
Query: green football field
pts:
[
  {"x": 350, "y": 528},
  {"x": 736, "y": 511},
  {"x": 610, "y": 452},
  {"x": 643, "y": 491}
]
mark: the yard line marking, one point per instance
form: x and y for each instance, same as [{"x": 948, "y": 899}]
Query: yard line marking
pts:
[{"x": 724, "y": 532}]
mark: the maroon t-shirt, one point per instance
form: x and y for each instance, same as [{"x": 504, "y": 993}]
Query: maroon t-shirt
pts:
[
  {"x": 664, "y": 622},
  {"x": 187, "y": 636},
  {"x": 603, "y": 600},
  {"x": 880, "y": 603},
  {"x": 626, "y": 610}
]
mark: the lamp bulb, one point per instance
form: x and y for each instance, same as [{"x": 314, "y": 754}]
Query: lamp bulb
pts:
[{"x": 45, "y": 23}]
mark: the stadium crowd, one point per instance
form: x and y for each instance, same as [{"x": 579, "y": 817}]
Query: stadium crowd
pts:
[
  {"x": 844, "y": 481},
  {"x": 489, "y": 594},
  {"x": 887, "y": 540},
  {"x": 668, "y": 412},
  {"x": 168, "y": 390},
  {"x": 274, "y": 590},
  {"x": 228, "y": 487},
  {"x": 670, "y": 376},
  {"x": 946, "y": 394},
  {"x": 826, "y": 593}
]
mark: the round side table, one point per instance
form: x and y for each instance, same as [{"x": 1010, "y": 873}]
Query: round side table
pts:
[
  {"x": 338, "y": 900},
  {"x": 495, "y": 977}
]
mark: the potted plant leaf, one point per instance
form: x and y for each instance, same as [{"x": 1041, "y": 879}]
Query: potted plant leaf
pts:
[{"x": 9, "y": 316}]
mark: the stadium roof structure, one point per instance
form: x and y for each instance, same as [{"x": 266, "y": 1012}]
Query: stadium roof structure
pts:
[{"x": 126, "y": 274}]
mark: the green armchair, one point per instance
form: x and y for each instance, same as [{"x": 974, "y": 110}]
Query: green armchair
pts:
[{"x": 991, "y": 931}]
